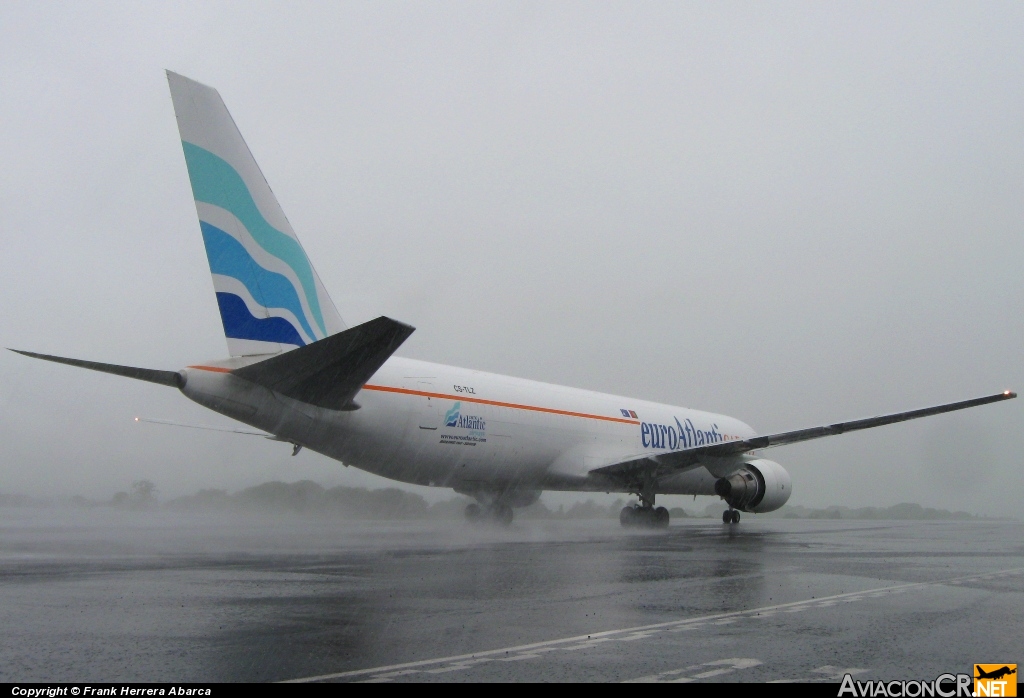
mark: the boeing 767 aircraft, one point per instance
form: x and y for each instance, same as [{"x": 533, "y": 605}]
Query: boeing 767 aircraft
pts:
[{"x": 297, "y": 373}]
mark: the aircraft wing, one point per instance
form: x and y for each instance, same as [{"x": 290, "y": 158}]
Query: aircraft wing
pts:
[{"x": 680, "y": 460}]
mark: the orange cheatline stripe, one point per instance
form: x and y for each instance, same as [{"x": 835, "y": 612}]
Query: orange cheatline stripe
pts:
[{"x": 512, "y": 405}]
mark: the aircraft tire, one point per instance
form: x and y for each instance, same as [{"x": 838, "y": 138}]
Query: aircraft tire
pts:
[
  {"x": 727, "y": 516},
  {"x": 503, "y": 514},
  {"x": 735, "y": 517},
  {"x": 661, "y": 517},
  {"x": 627, "y": 517}
]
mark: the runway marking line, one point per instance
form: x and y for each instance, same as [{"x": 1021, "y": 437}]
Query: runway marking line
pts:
[
  {"x": 533, "y": 649},
  {"x": 673, "y": 676},
  {"x": 831, "y": 674}
]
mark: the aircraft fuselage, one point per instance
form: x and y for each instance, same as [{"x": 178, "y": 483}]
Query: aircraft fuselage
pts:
[{"x": 431, "y": 424}]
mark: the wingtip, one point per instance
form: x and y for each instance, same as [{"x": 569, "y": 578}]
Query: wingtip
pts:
[
  {"x": 392, "y": 320},
  {"x": 1009, "y": 394},
  {"x": 29, "y": 354}
]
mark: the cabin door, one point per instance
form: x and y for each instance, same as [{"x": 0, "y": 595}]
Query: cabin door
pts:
[{"x": 429, "y": 407}]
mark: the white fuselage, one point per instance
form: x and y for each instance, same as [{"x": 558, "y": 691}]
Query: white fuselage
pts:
[{"x": 476, "y": 432}]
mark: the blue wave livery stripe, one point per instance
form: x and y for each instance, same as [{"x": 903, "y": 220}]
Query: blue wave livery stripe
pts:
[
  {"x": 216, "y": 182},
  {"x": 239, "y": 323},
  {"x": 268, "y": 288},
  {"x": 451, "y": 417}
]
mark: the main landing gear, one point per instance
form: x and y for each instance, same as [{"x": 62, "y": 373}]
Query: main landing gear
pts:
[
  {"x": 500, "y": 514},
  {"x": 644, "y": 514},
  {"x": 638, "y": 516},
  {"x": 730, "y": 516}
]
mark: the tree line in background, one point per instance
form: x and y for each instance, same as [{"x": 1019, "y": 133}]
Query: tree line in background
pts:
[{"x": 310, "y": 498}]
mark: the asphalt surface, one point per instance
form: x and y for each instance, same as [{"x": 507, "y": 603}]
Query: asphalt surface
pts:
[{"x": 103, "y": 595}]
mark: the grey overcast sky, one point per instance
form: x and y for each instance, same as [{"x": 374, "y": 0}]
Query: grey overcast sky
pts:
[{"x": 794, "y": 213}]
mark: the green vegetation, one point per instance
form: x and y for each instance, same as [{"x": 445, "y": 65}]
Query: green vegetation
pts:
[
  {"x": 897, "y": 512},
  {"x": 307, "y": 497},
  {"x": 392, "y": 503},
  {"x": 142, "y": 496},
  {"x": 355, "y": 503}
]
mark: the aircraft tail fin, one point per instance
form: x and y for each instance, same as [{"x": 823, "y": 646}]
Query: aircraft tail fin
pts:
[
  {"x": 269, "y": 295},
  {"x": 330, "y": 372}
]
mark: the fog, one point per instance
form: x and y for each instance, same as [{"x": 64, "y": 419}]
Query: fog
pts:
[{"x": 791, "y": 213}]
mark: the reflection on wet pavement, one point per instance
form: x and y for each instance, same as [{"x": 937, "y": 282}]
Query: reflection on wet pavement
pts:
[{"x": 103, "y": 596}]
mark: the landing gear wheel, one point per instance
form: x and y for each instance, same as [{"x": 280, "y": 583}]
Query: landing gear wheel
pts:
[
  {"x": 503, "y": 515},
  {"x": 735, "y": 517},
  {"x": 661, "y": 517},
  {"x": 727, "y": 516},
  {"x": 644, "y": 517}
]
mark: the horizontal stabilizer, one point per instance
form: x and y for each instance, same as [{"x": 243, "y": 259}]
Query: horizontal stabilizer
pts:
[
  {"x": 171, "y": 378},
  {"x": 330, "y": 372}
]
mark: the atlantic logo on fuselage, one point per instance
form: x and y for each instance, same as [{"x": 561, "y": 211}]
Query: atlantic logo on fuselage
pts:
[
  {"x": 455, "y": 418},
  {"x": 679, "y": 435}
]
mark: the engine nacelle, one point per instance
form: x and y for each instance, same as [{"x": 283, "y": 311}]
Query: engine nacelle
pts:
[{"x": 759, "y": 486}]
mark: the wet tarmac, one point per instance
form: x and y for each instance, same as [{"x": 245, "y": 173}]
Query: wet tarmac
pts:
[{"x": 102, "y": 595}]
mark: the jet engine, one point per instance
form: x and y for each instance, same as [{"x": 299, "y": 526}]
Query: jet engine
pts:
[{"x": 759, "y": 486}]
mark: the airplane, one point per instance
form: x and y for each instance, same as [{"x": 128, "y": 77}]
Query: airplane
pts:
[
  {"x": 300, "y": 375},
  {"x": 996, "y": 674}
]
